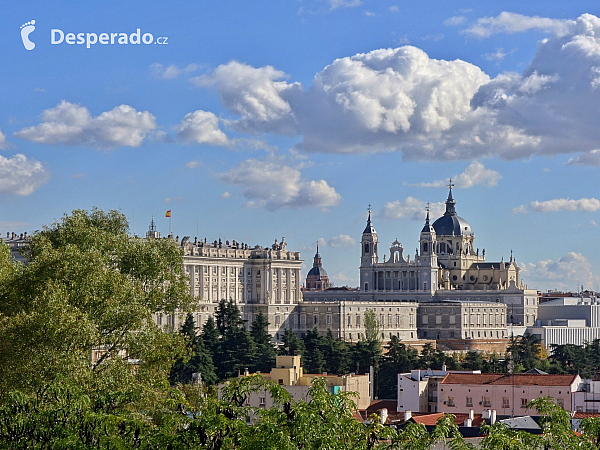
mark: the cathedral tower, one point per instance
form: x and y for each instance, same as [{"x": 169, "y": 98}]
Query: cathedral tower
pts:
[{"x": 369, "y": 256}]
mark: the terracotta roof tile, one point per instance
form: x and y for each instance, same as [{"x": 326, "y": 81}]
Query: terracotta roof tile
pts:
[
  {"x": 520, "y": 379},
  {"x": 585, "y": 415}
]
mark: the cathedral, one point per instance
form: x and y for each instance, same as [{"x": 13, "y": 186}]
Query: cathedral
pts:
[{"x": 446, "y": 290}]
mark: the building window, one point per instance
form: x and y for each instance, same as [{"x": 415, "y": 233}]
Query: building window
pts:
[
  {"x": 451, "y": 401},
  {"x": 505, "y": 402},
  {"x": 328, "y": 319},
  {"x": 315, "y": 319},
  {"x": 358, "y": 320},
  {"x": 262, "y": 401},
  {"x": 425, "y": 320},
  {"x": 486, "y": 401},
  {"x": 524, "y": 403},
  {"x": 366, "y": 248},
  {"x": 349, "y": 321},
  {"x": 469, "y": 401}
]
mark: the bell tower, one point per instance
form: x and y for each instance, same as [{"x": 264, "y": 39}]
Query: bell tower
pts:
[{"x": 369, "y": 256}]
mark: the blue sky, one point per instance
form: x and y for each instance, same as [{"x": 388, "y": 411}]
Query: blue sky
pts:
[{"x": 265, "y": 119}]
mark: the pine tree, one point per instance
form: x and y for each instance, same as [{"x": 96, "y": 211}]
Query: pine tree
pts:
[
  {"x": 265, "y": 351},
  {"x": 292, "y": 345},
  {"x": 313, "y": 355}
]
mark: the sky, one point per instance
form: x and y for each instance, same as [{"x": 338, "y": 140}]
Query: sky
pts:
[{"x": 260, "y": 120}]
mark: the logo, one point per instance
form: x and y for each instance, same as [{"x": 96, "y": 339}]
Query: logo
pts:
[{"x": 26, "y": 30}]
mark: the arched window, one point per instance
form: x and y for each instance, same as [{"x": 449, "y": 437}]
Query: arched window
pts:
[
  {"x": 366, "y": 248},
  {"x": 424, "y": 246}
]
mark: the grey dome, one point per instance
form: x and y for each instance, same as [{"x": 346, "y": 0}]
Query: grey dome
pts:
[
  {"x": 451, "y": 224},
  {"x": 317, "y": 271}
]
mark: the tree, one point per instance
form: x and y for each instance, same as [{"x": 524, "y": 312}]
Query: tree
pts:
[
  {"x": 237, "y": 350},
  {"x": 398, "y": 359},
  {"x": 292, "y": 345},
  {"x": 314, "y": 361},
  {"x": 265, "y": 352},
  {"x": 336, "y": 354},
  {"x": 88, "y": 286},
  {"x": 199, "y": 359}
]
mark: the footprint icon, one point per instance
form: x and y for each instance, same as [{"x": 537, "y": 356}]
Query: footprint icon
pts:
[{"x": 26, "y": 30}]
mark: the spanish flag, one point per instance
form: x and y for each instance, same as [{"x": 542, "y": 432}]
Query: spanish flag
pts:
[{"x": 168, "y": 213}]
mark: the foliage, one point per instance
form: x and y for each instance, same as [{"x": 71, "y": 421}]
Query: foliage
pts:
[{"x": 89, "y": 286}]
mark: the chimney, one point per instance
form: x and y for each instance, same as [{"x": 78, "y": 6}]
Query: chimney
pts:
[
  {"x": 486, "y": 414},
  {"x": 384, "y": 415},
  {"x": 246, "y": 372},
  {"x": 493, "y": 418},
  {"x": 443, "y": 367},
  {"x": 407, "y": 415},
  {"x": 471, "y": 415},
  {"x": 468, "y": 422}
]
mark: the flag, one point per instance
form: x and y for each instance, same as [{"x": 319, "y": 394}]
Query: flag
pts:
[{"x": 168, "y": 213}]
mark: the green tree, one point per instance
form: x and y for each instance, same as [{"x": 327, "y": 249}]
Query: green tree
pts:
[
  {"x": 291, "y": 344},
  {"x": 88, "y": 286},
  {"x": 265, "y": 351},
  {"x": 199, "y": 359},
  {"x": 337, "y": 355},
  {"x": 314, "y": 361},
  {"x": 398, "y": 359}
]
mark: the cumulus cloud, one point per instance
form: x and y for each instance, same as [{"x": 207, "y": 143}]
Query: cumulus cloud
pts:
[
  {"x": 20, "y": 175},
  {"x": 412, "y": 208},
  {"x": 400, "y": 99},
  {"x": 3, "y": 143},
  {"x": 73, "y": 125},
  {"x": 193, "y": 164},
  {"x": 343, "y": 240},
  {"x": 334, "y": 4},
  {"x": 474, "y": 175},
  {"x": 455, "y": 21},
  {"x": 272, "y": 184},
  {"x": 255, "y": 94},
  {"x": 225, "y": 195},
  {"x": 565, "y": 273},
  {"x": 498, "y": 55},
  {"x": 202, "y": 127},
  {"x": 591, "y": 158},
  {"x": 394, "y": 9},
  {"x": 172, "y": 71},
  {"x": 508, "y": 22},
  {"x": 561, "y": 204}
]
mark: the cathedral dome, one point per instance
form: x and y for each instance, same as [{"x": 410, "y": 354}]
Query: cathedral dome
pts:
[
  {"x": 317, "y": 271},
  {"x": 451, "y": 224}
]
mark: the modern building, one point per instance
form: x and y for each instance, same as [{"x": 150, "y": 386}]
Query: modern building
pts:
[
  {"x": 507, "y": 394},
  {"x": 568, "y": 320},
  {"x": 418, "y": 389}
]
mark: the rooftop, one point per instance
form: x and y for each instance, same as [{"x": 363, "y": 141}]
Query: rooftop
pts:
[{"x": 521, "y": 379}]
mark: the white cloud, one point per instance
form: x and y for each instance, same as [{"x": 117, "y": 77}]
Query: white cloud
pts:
[
  {"x": 412, "y": 208},
  {"x": 255, "y": 94},
  {"x": 334, "y": 4},
  {"x": 393, "y": 9},
  {"x": 20, "y": 175},
  {"x": 508, "y": 22},
  {"x": 568, "y": 272},
  {"x": 474, "y": 175},
  {"x": 370, "y": 14},
  {"x": 343, "y": 240},
  {"x": 193, "y": 164},
  {"x": 340, "y": 279},
  {"x": 3, "y": 143},
  {"x": 202, "y": 127},
  {"x": 169, "y": 72},
  {"x": 71, "y": 124},
  {"x": 175, "y": 199},
  {"x": 561, "y": 204},
  {"x": 272, "y": 184},
  {"x": 498, "y": 55},
  {"x": 455, "y": 21},
  {"x": 225, "y": 195},
  {"x": 402, "y": 100},
  {"x": 591, "y": 158}
]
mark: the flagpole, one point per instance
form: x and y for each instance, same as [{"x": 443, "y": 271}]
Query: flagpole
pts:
[{"x": 170, "y": 232}]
